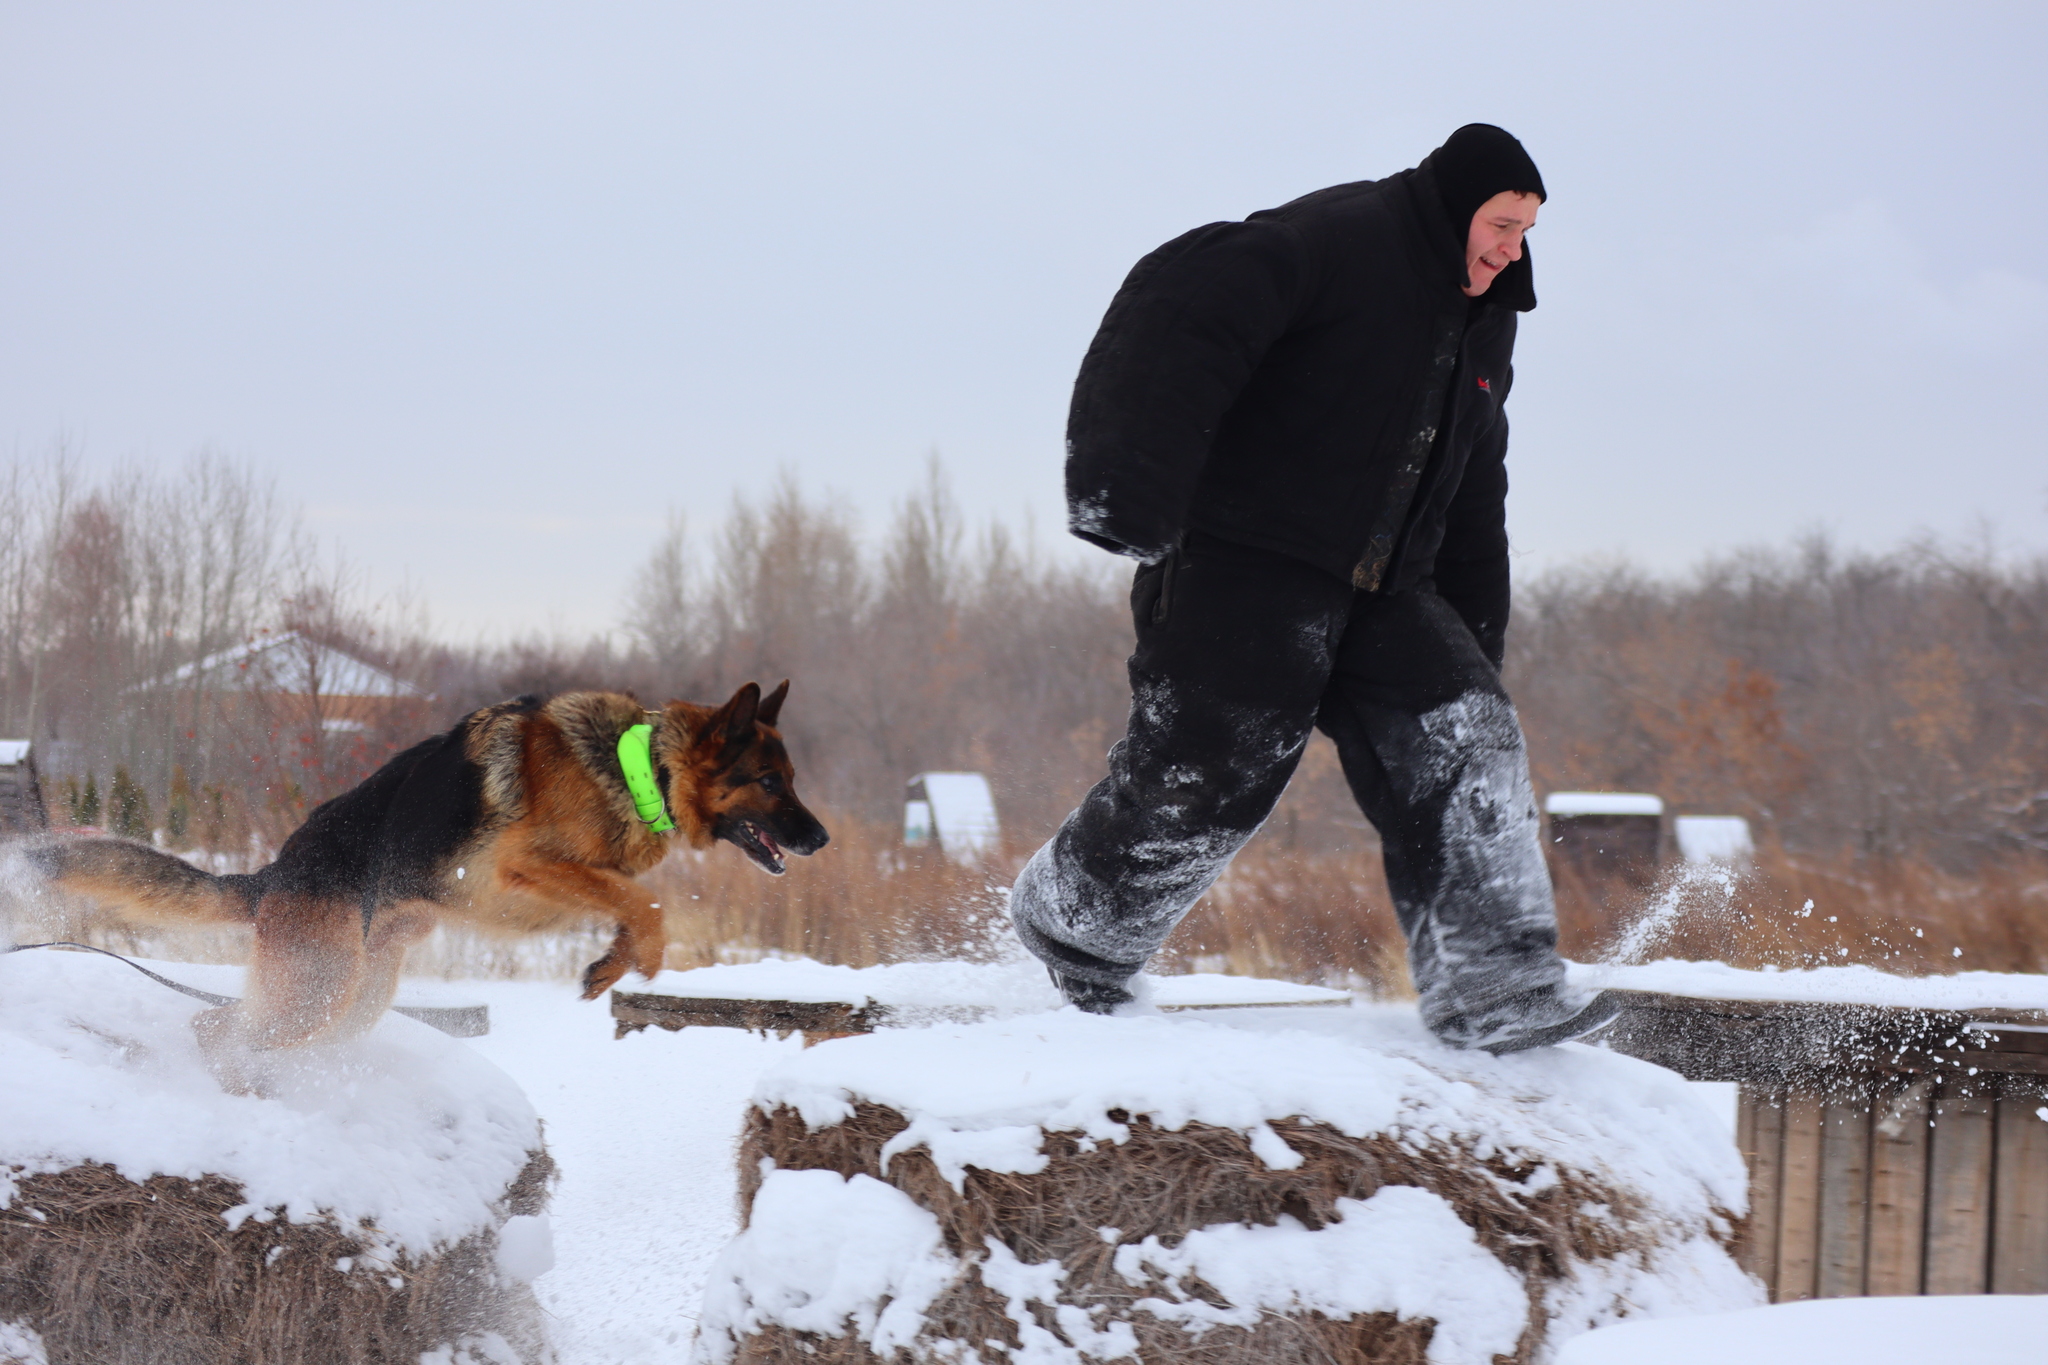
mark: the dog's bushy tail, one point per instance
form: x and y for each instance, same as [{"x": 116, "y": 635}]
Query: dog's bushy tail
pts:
[{"x": 140, "y": 884}]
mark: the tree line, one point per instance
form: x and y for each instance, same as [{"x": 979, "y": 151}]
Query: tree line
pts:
[{"x": 1865, "y": 711}]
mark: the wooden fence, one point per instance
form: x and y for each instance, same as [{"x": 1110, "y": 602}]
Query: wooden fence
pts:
[{"x": 1891, "y": 1151}]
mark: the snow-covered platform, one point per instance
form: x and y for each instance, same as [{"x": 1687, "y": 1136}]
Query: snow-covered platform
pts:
[
  {"x": 1893, "y": 1125},
  {"x": 2006, "y": 1330},
  {"x": 1256, "y": 1184},
  {"x": 380, "y": 1200},
  {"x": 822, "y": 1001}
]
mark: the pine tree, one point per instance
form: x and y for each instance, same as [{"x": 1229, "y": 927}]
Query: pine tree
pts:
[
  {"x": 178, "y": 810},
  {"x": 86, "y": 811},
  {"x": 128, "y": 807}
]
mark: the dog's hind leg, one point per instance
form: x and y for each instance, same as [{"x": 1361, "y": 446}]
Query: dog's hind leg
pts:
[
  {"x": 303, "y": 980},
  {"x": 393, "y": 930}
]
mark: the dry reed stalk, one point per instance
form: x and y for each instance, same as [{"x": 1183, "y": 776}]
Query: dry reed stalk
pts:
[
  {"x": 1899, "y": 915},
  {"x": 111, "y": 1272},
  {"x": 1166, "y": 1183},
  {"x": 1279, "y": 911}
]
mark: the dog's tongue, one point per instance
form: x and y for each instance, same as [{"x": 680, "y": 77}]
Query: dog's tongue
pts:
[{"x": 768, "y": 842}]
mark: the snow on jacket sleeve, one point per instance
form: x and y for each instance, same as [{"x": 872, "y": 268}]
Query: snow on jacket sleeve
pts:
[
  {"x": 1180, "y": 340},
  {"x": 1472, "y": 563}
]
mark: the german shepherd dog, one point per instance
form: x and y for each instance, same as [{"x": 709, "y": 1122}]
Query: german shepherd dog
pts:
[{"x": 518, "y": 820}]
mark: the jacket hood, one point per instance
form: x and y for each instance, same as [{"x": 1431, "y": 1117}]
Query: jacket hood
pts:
[{"x": 1514, "y": 287}]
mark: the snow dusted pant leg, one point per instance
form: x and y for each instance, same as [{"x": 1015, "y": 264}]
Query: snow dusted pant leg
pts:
[
  {"x": 1235, "y": 648},
  {"x": 1433, "y": 751}
]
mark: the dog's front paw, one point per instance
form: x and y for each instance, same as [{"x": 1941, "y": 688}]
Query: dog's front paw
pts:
[{"x": 600, "y": 976}]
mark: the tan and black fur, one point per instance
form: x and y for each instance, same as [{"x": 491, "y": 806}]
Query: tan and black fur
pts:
[{"x": 518, "y": 820}]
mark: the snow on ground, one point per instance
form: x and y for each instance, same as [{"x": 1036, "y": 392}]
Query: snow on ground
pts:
[
  {"x": 643, "y": 1129},
  {"x": 2001, "y": 1329},
  {"x": 405, "y": 1127},
  {"x": 1855, "y": 985}
]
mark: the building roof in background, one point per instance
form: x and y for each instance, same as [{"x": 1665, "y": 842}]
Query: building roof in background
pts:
[
  {"x": 290, "y": 662},
  {"x": 964, "y": 810},
  {"x": 1603, "y": 803},
  {"x": 1714, "y": 838}
]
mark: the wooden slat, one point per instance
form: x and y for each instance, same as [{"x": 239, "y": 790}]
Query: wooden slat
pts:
[
  {"x": 635, "y": 1010},
  {"x": 1959, "y": 1195},
  {"x": 1763, "y": 1112},
  {"x": 2019, "y": 1225},
  {"x": 1799, "y": 1204},
  {"x": 1844, "y": 1198},
  {"x": 1898, "y": 1192}
]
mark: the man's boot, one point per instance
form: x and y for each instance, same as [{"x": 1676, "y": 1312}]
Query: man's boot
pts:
[
  {"x": 1528, "y": 1019},
  {"x": 1093, "y": 996}
]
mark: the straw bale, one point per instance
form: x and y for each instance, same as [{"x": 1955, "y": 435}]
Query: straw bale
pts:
[
  {"x": 1168, "y": 1182},
  {"x": 114, "y": 1272}
]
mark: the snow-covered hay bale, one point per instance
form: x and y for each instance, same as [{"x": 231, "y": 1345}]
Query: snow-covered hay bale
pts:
[
  {"x": 1267, "y": 1186},
  {"x": 380, "y": 1200}
]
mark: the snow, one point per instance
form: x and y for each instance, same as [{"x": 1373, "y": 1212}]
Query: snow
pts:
[
  {"x": 2000, "y": 1329},
  {"x": 1403, "y": 1251},
  {"x": 644, "y": 1127},
  {"x": 1853, "y": 985},
  {"x": 984, "y": 1094},
  {"x": 12, "y": 752},
  {"x": 20, "y": 1346},
  {"x": 960, "y": 989},
  {"x": 1602, "y": 803},
  {"x": 821, "y": 1249},
  {"x": 404, "y": 1134}
]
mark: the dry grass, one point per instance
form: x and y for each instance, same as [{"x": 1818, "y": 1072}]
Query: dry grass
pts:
[
  {"x": 1327, "y": 917},
  {"x": 1899, "y": 915},
  {"x": 1280, "y": 911},
  {"x": 1165, "y": 1183},
  {"x": 111, "y": 1272}
]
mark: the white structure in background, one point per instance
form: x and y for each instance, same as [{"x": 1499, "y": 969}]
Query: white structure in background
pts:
[
  {"x": 21, "y": 795},
  {"x": 348, "y": 694},
  {"x": 1722, "y": 839},
  {"x": 1573, "y": 804},
  {"x": 956, "y": 809}
]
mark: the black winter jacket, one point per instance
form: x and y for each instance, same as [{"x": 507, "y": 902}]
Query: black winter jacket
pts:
[{"x": 1310, "y": 381}]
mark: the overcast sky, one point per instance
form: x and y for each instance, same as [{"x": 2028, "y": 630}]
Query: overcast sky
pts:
[{"x": 492, "y": 287}]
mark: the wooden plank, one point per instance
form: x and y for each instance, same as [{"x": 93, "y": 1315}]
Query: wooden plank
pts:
[
  {"x": 1799, "y": 1203},
  {"x": 1844, "y": 1197},
  {"x": 1959, "y": 1195},
  {"x": 634, "y": 1010},
  {"x": 1764, "y": 1114},
  {"x": 1898, "y": 1192},
  {"x": 2019, "y": 1224},
  {"x": 457, "y": 1021}
]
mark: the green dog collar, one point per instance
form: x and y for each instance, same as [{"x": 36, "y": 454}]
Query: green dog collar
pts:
[{"x": 636, "y": 761}]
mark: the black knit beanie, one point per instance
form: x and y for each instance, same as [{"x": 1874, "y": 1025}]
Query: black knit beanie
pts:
[{"x": 1476, "y": 163}]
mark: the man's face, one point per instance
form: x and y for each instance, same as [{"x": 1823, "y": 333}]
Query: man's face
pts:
[{"x": 1496, "y": 237}]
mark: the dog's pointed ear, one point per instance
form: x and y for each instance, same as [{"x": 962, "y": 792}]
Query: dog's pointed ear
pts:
[
  {"x": 771, "y": 705},
  {"x": 731, "y": 727}
]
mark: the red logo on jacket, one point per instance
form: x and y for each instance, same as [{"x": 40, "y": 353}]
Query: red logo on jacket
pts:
[{"x": 1484, "y": 385}]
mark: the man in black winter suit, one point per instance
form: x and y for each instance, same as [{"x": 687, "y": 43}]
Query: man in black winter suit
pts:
[{"x": 1295, "y": 425}]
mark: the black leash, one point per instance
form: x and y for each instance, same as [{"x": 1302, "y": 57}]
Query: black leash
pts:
[{"x": 180, "y": 987}]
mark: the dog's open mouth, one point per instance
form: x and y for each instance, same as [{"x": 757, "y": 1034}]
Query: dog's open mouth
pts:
[{"x": 760, "y": 845}]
